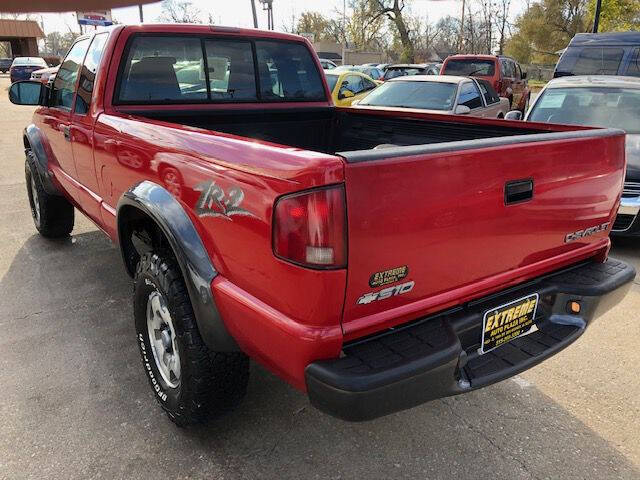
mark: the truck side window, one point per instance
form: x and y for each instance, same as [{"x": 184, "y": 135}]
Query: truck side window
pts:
[
  {"x": 231, "y": 72},
  {"x": 163, "y": 68},
  {"x": 65, "y": 82},
  {"x": 598, "y": 61},
  {"x": 634, "y": 66},
  {"x": 470, "y": 96},
  {"x": 88, "y": 73}
]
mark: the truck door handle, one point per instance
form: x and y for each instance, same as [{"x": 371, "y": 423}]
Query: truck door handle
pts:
[
  {"x": 66, "y": 130},
  {"x": 517, "y": 191}
]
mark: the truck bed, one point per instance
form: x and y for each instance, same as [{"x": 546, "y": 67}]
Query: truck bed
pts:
[{"x": 335, "y": 130}]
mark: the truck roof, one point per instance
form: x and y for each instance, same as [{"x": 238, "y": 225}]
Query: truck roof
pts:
[
  {"x": 212, "y": 29},
  {"x": 609, "y": 38}
]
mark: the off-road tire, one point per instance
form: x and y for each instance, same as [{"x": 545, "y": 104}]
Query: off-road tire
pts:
[
  {"x": 53, "y": 215},
  {"x": 210, "y": 383}
]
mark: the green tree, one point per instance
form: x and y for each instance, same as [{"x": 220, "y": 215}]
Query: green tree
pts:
[
  {"x": 545, "y": 28},
  {"x": 616, "y": 15},
  {"x": 323, "y": 28}
]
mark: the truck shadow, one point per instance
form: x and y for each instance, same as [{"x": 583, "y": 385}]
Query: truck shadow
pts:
[{"x": 84, "y": 391}]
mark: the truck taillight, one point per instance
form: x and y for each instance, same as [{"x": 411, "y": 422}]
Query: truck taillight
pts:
[{"x": 310, "y": 228}]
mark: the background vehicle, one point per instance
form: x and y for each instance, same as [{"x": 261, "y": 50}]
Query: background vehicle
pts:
[
  {"x": 327, "y": 64},
  {"x": 612, "y": 53},
  {"x": 258, "y": 219},
  {"x": 22, "y": 67},
  {"x": 348, "y": 86},
  {"x": 604, "y": 101},
  {"x": 439, "y": 94},
  {"x": 44, "y": 74},
  {"x": 503, "y": 73},
  {"x": 401, "y": 70},
  {"x": 371, "y": 71},
  {"x": 5, "y": 64}
]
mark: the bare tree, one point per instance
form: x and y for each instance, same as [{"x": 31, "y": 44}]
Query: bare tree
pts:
[
  {"x": 502, "y": 22},
  {"x": 179, "y": 11},
  {"x": 392, "y": 9}
]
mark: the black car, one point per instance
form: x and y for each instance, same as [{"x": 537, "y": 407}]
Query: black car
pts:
[
  {"x": 615, "y": 53},
  {"x": 5, "y": 64}
]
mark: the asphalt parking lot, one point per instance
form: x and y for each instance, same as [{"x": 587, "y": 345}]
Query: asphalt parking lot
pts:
[{"x": 74, "y": 400}]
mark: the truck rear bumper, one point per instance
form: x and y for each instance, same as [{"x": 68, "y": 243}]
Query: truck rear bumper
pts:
[{"x": 438, "y": 356}]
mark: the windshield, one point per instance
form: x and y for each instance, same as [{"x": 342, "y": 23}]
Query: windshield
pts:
[
  {"x": 591, "y": 106},
  {"x": 470, "y": 66},
  {"x": 426, "y": 95},
  {"x": 331, "y": 81},
  {"x": 29, "y": 62},
  {"x": 394, "y": 72}
]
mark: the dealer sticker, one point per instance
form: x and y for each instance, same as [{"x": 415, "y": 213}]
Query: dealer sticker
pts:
[{"x": 507, "y": 322}]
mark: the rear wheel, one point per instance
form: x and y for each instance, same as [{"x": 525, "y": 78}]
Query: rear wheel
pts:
[
  {"x": 53, "y": 215},
  {"x": 189, "y": 381}
]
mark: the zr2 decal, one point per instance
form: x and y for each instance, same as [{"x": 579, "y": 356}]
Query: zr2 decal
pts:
[
  {"x": 213, "y": 202},
  {"x": 386, "y": 293}
]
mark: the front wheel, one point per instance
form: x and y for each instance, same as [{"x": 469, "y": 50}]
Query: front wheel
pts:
[{"x": 188, "y": 380}]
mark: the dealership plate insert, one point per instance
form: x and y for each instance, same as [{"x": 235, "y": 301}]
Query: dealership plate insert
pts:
[{"x": 502, "y": 324}]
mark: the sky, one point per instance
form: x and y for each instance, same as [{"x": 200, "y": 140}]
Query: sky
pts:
[{"x": 237, "y": 13}]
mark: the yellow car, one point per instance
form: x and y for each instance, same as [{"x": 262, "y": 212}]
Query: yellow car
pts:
[{"x": 346, "y": 86}]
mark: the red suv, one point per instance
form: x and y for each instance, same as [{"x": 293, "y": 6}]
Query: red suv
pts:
[{"x": 504, "y": 74}]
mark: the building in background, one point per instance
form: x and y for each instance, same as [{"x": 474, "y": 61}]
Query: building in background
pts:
[{"x": 22, "y": 35}]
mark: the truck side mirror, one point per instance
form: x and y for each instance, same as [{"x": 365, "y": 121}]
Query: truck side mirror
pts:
[
  {"x": 461, "y": 110},
  {"x": 27, "y": 92},
  {"x": 513, "y": 115}
]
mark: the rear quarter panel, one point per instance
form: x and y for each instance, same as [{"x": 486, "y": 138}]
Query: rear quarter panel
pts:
[{"x": 250, "y": 176}]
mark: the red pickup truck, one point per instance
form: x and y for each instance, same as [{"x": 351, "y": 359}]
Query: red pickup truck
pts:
[{"x": 375, "y": 259}]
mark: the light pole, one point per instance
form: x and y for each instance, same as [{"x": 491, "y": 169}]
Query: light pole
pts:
[
  {"x": 596, "y": 20},
  {"x": 255, "y": 16}
]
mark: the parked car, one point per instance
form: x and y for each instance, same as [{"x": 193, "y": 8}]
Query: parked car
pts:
[
  {"x": 439, "y": 94},
  {"x": 348, "y": 86},
  {"x": 5, "y": 64},
  {"x": 45, "y": 74},
  {"x": 402, "y": 70},
  {"x": 463, "y": 252},
  {"x": 504, "y": 74},
  {"x": 604, "y": 101},
  {"x": 372, "y": 72},
  {"x": 612, "y": 53},
  {"x": 22, "y": 67},
  {"x": 327, "y": 64}
]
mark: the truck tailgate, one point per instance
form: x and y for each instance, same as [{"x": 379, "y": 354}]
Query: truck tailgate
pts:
[{"x": 438, "y": 216}]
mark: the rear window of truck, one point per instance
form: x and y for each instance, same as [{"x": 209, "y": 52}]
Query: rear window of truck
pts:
[
  {"x": 160, "y": 69},
  {"x": 470, "y": 66}
]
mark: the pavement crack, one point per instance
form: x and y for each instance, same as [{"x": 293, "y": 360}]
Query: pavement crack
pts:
[
  {"x": 32, "y": 314},
  {"x": 490, "y": 440}
]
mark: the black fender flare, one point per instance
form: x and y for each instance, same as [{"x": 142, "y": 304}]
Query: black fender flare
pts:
[
  {"x": 34, "y": 147},
  {"x": 197, "y": 270}
]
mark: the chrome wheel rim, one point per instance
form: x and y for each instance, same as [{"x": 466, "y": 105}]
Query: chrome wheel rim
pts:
[
  {"x": 162, "y": 337},
  {"x": 35, "y": 209}
]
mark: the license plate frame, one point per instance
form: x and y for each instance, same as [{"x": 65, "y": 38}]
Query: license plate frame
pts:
[{"x": 506, "y": 322}]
